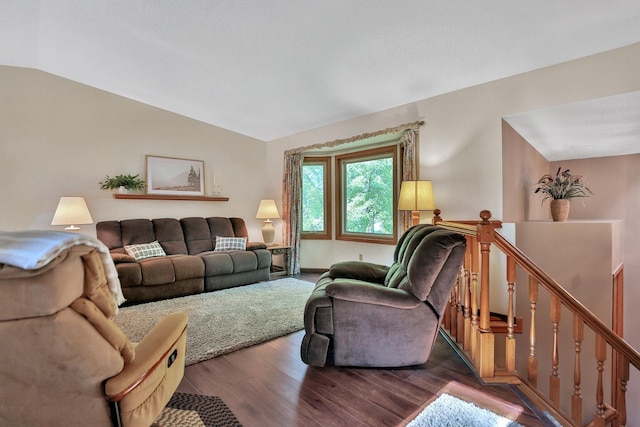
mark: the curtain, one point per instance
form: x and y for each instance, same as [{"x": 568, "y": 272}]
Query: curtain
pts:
[
  {"x": 292, "y": 182},
  {"x": 409, "y": 173},
  {"x": 292, "y": 207}
]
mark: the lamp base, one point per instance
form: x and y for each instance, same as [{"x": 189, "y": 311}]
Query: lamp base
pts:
[
  {"x": 415, "y": 217},
  {"x": 72, "y": 228},
  {"x": 268, "y": 232}
]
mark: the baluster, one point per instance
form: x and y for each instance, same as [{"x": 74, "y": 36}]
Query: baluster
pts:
[
  {"x": 459, "y": 314},
  {"x": 601, "y": 356},
  {"x": 510, "y": 345},
  {"x": 485, "y": 233},
  {"x": 554, "y": 380},
  {"x": 576, "y": 399},
  {"x": 475, "y": 267},
  {"x": 532, "y": 368},
  {"x": 467, "y": 300},
  {"x": 453, "y": 314},
  {"x": 446, "y": 317},
  {"x": 623, "y": 376}
]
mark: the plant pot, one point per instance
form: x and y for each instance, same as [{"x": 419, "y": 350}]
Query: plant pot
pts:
[
  {"x": 560, "y": 209},
  {"x": 122, "y": 190}
]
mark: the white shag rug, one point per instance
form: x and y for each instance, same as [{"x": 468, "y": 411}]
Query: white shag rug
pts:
[
  {"x": 226, "y": 320},
  {"x": 449, "y": 411}
]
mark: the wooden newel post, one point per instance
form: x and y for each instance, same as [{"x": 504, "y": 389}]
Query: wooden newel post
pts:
[
  {"x": 436, "y": 216},
  {"x": 485, "y": 235}
]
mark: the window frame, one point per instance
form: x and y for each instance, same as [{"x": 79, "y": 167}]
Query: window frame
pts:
[
  {"x": 327, "y": 233},
  {"x": 364, "y": 155}
]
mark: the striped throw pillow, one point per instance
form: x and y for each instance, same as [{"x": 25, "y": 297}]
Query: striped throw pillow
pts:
[{"x": 145, "y": 250}]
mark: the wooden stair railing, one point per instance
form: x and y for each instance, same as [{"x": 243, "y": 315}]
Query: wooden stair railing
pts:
[{"x": 467, "y": 326}]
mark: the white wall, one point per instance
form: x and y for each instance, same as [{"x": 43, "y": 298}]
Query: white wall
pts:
[{"x": 60, "y": 138}]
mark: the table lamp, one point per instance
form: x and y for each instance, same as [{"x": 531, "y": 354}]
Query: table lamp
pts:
[
  {"x": 71, "y": 211},
  {"x": 416, "y": 196},
  {"x": 268, "y": 210}
]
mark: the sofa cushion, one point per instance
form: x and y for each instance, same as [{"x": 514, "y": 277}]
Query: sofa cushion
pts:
[
  {"x": 220, "y": 226},
  {"x": 157, "y": 271},
  {"x": 136, "y": 231},
  {"x": 437, "y": 247},
  {"x": 169, "y": 233},
  {"x": 129, "y": 274},
  {"x": 230, "y": 243},
  {"x": 187, "y": 266},
  {"x": 196, "y": 235},
  {"x": 110, "y": 233},
  {"x": 145, "y": 250},
  {"x": 243, "y": 261},
  {"x": 216, "y": 263}
]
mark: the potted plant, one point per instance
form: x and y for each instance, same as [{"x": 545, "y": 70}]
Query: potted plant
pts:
[
  {"x": 561, "y": 189},
  {"x": 122, "y": 183}
]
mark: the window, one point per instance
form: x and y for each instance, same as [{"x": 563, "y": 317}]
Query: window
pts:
[
  {"x": 316, "y": 198},
  {"x": 366, "y": 196}
]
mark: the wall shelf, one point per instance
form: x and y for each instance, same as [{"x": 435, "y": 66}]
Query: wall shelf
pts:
[{"x": 170, "y": 197}]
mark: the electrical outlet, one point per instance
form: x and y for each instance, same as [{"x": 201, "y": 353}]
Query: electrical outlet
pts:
[{"x": 360, "y": 257}]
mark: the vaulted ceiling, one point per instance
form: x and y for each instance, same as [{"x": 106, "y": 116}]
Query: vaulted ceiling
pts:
[{"x": 273, "y": 68}]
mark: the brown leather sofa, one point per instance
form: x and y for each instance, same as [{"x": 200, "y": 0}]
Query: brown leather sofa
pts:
[
  {"x": 64, "y": 362},
  {"x": 192, "y": 262}
]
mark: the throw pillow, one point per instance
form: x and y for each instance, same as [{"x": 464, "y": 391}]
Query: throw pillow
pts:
[
  {"x": 230, "y": 243},
  {"x": 145, "y": 250}
]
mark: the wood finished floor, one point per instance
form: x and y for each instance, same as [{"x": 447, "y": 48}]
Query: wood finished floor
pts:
[{"x": 269, "y": 385}]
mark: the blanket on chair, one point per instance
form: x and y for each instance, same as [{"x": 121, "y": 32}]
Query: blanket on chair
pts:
[{"x": 33, "y": 249}]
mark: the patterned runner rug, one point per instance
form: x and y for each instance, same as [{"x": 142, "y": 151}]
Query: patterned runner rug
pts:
[{"x": 193, "y": 410}]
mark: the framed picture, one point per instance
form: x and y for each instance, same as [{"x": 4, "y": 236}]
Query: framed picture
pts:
[{"x": 168, "y": 175}]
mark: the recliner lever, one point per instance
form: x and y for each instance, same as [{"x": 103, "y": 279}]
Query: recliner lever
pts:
[{"x": 172, "y": 358}]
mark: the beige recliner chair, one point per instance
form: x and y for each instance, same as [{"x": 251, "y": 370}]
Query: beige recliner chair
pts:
[{"x": 63, "y": 361}]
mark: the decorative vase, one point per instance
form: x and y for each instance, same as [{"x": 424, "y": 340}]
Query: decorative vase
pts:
[
  {"x": 122, "y": 190},
  {"x": 560, "y": 209}
]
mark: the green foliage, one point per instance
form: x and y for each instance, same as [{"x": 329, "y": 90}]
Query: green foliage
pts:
[
  {"x": 130, "y": 182},
  {"x": 313, "y": 197},
  {"x": 369, "y": 196},
  {"x": 563, "y": 186}
]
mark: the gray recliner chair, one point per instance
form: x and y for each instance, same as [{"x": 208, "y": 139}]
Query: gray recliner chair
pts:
[{"x": 370, "y": 315}]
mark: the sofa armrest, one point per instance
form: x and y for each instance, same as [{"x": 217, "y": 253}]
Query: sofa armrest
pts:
[
  {"x": 121, "y": 258},
  {"x": 359, "y": 270},
  {"x": 371, "y": 293},
  {"x": 151, "y": 353},
  {"x": 252, "y": 246}
]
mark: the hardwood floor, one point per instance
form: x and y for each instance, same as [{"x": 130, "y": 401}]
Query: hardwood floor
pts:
[{"x": 269, "y": 385}]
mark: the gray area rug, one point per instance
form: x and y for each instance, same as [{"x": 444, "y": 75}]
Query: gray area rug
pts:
[
  {"x": 227, "y": 320},
  {"x": 449, "y": 411}
]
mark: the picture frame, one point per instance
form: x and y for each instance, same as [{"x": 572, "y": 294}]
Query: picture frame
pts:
[{"x": 175, "y": 176}]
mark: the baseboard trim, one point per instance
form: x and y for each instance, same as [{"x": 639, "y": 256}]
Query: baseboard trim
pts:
[{"x": 313, "y": 270}]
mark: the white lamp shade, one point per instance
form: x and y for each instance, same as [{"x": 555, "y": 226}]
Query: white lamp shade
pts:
[
  {"x": 71, "y": 211},
  {"x": 267, "y": 210},
  {"x": 416, "y": 196}
]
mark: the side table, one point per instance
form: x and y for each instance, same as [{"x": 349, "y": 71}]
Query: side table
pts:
[{"x": 285, "y": 251}]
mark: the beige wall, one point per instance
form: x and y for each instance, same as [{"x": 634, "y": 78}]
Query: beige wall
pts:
[
  {"x": 522, "y": 167},
  {"x": 60, "y": 138},
  {"x": 461, "y": 141}
]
